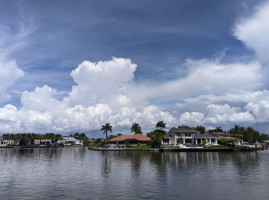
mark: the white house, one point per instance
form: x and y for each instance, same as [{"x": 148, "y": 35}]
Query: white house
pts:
[
  {"x": 4, "y": 143},
  {"x": 176, "y": 136},
  {"x": 70, "y": 141}
]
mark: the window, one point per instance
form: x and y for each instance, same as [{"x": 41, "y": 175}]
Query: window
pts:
[{"x": 188, "y": 141}]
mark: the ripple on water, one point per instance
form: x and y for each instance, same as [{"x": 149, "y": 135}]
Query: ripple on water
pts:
[{"x": 79, "y": 173}]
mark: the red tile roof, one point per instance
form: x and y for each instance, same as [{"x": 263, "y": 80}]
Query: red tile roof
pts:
[{"x": 137, "y": 137}]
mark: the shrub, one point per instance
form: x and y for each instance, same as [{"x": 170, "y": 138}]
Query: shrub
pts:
[{"x": 179, "y": 140}]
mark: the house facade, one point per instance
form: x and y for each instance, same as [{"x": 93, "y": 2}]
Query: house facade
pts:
[
  {"x": 4, "y": 143},
  {"x": 179, "y": 136},
  {"x": 70, "y": 141}
]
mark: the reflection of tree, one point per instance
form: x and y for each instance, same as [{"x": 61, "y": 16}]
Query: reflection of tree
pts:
[
  {"x": 245, "y": 161},
  {"x": 106, "y": 165}
]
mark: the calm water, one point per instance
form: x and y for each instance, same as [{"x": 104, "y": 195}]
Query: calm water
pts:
[{"x": 79, "y": 173}]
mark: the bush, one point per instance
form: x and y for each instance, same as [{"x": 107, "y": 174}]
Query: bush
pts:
[
  {"x": 103, "y": 143},
  {"x": 126, "y": 143},
  {"x": 179, "y": 140},
  {"x": 226, "y": 142}
]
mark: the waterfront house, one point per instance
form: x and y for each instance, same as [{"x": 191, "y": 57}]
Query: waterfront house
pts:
[
  {"x": 130, "y": 139},
  {"x": 70, "y": 141},
  {"x": 4, "y": 143},
  {"x": 43, "y": 142},
  {"x": 180, "y": 136},
  {"x": 176, "y": 136}
]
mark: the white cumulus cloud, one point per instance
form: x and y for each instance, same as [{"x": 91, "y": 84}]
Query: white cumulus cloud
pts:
[{"x": 253, "y": 31}]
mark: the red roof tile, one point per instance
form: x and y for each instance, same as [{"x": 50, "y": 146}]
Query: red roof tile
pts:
[{"x": 137, "y": 137}]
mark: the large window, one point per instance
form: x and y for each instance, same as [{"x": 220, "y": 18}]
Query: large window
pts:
[
  {"x": 188, "y": 141},
  {"x": 178, "y": 134}
]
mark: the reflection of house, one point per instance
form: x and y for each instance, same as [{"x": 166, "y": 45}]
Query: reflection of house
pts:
[
  {"x": 70, "y": 141},
  {"x": 4, "y": 143},
  {"x": 130, "y": 139},
  {"x": 188, "y": 136}
]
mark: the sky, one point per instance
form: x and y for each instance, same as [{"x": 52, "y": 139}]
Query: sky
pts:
[{"x": 72, "y": 66}]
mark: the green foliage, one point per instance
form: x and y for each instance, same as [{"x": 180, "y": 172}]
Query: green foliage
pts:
[
  {"x": 86, "y": 142},
  {"x": 156, "y": 137},
  {"x": 185, "y": 127},
  {"x": 126, "y": 143},
  {"x": 179, "y": 140},
  {"x": 216, "y": 130},
  {"x": 103, "y": 143},
  {"x": 98, "y": 141},
  {"x": 105, "y": 128},
  {"x": 29, "y": 138},
  {"x": 136, "y": 128},
  {"x": 204, "y": 142},
  {"x": 248, "y": 134},
  {"x": 111, "y": 136},
  {"x": 227, "y": 141},
  {"x": 161, "y": 125},
  {"x": 201, "y": 129}
]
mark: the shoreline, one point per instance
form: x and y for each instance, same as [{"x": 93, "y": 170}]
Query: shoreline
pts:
[{"x": 176, "y": 149}]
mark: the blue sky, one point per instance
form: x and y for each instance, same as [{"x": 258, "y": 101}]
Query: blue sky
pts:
[{"x": 184, "y": 62}]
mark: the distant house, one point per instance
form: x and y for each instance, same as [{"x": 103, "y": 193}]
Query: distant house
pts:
[
  {"x": 4, "y": 143},
  {"x": 176, "y": 136},
  {"x": 131, "y": 139},
  {"x": 43, "y": 142},
  {"x": 70, "y": 141}
]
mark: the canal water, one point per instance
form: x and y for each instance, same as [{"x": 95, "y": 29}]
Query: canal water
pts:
[{"x": 79, "y": 173}]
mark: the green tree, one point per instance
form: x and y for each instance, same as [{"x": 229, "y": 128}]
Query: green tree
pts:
[
  {"x": 237, "y": 131},
  {"x": 201, "y": 129},
  {"x": 216, "y": 130},
  {"x": 157, "y": 137},
  {"x": 105, "y": 128},
  {"x": 136, "y": 128},
  {"x": 76, "y": 136},
  {"x": 185, "y": 127},
  {"x": 161, "y": 125}
]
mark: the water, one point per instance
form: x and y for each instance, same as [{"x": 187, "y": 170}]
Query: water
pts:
[{"x": 79, "y": 173}]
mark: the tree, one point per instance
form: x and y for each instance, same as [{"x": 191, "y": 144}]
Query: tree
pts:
[
  {"x": 105, "y": 128},
  {"x": 136, "y": 128},
  {"x": 201, "y": 129},
  {"x": 185, "y": 126},
  {"x": 216, "y": 130},
  {"x": 161, "y": 125},
  {"x": 157, "y": 137},
  {"x": 76, "y": 136},
  {"x": 237, "y": 131}
]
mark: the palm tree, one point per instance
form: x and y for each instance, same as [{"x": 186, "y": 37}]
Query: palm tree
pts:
[
  {"x": 136, "y": 128},
  {"x": 161, "y": 125},
  {"x": 105, "y": 128}
]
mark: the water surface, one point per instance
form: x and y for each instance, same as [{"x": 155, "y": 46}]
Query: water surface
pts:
[{"x": 79, "y": 173}]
